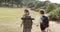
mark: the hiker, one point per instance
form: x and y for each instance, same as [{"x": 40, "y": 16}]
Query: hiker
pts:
[
  {"x": 44, "y": 22},
  {"x": 27, "y": 21}
]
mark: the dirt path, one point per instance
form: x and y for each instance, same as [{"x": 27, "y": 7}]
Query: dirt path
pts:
[{"x": 54, "y": 27}]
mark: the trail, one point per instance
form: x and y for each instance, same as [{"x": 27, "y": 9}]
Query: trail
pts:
[{"x": 53, "y": 27}]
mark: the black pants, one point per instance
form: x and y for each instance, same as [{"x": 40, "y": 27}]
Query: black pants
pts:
[{"x": 42, "y": 27}]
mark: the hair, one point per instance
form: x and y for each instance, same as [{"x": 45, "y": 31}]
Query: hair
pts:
[
  {"x": 42, "y": 11},
  {"x": 27, "y": 11}
]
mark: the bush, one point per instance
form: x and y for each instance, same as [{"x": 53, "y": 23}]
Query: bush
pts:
[{"x": 55, "y": 14}]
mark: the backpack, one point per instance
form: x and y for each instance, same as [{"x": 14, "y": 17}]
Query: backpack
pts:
[{"x": 45, "y": 21}]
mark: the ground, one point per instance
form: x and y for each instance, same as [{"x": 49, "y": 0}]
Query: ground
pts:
[{"x": 10, "y": 21}]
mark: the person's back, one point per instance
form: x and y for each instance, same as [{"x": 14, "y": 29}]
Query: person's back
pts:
[
  {"x": 27, "y": 21},
  {"x": 44, "y": 23}
]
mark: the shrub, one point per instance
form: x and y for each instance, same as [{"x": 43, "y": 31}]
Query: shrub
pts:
[{"x": 55, "y": 14}]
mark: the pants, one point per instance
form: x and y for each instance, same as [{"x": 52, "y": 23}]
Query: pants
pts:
[{"x": 26, "y": 30}]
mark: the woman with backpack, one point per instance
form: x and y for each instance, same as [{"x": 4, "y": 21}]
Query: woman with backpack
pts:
[{"x": 44, "y": 22}]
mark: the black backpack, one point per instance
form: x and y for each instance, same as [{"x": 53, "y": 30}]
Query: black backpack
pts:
[{"x": 45, "y": 21}]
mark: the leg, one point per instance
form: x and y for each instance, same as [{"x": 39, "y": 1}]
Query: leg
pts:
[
  {"x": 28, "y": 30},
  {"x": 43, "y": 31},
  {"x": 42, "y": 28},
  {"x": 24, "y": 30}
]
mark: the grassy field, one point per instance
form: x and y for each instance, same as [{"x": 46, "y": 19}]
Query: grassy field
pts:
[
  {"x": 8, "y": 15},
  {"x": 10, "y": 19}
]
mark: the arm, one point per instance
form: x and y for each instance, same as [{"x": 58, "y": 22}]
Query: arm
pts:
[
  {"x": 21, "y": 23},
  {"x": 37, "y": 21}
]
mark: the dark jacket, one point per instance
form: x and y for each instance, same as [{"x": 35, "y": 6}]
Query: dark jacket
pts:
[{"x": 27, "y": 21}]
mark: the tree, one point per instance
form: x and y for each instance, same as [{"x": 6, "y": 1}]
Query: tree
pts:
[
  {"x": 0, "y": 2},
  {"x": 51, "y": 7},
  {"x": 5, "y": 2},
  {"x": 27, "y": 2}
]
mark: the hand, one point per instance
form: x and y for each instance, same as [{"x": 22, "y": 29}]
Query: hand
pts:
[{"x": 21, "y": 25}]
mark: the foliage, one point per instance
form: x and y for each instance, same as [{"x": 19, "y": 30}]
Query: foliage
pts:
[
  {"x": 55, "y": 14},
  {"x": 47, "y": 5}
]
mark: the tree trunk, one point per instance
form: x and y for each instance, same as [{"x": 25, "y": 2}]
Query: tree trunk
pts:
[
  {"x": 17, "y": 5},
  {"x": 5, "y": 2},
  {"x": 12, "y": 2},
  {"x": 8, "y": 3},
  {"x": 0, "y": 2}
]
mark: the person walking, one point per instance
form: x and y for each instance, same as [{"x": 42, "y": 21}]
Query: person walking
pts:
[
  {"x": 27, "y": 21},
  {"x": 44, "y": 23}
]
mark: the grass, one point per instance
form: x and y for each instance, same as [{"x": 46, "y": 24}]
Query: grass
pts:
[
  {"x": 10, "y": 14},
  {"x": 10, "y": 19}
]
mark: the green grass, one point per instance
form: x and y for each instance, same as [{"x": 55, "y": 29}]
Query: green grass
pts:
[
  {"x": 10, "y": 14},
  {"x": 9, "y": 19}
]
